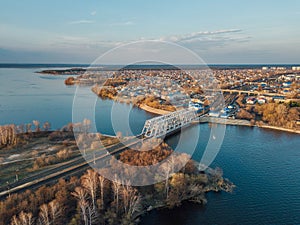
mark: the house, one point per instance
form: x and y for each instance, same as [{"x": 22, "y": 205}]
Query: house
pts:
[
  {"x": 251, "y": 101},
  {"x": 287, "y": 84},
  {"x": 279, "y": 99},
  {"x": 261, "y": 100}
]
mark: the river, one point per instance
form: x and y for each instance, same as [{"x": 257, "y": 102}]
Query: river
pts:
[{"x": 264, "y": 164}]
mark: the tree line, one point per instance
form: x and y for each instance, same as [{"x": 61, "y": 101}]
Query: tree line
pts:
[
  {"x": 9, "y": 133},
  {"x": 273, "y": 114}
]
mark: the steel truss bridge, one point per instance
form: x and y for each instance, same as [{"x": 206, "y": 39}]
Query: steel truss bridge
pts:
[{"x": 169, "y": 123}]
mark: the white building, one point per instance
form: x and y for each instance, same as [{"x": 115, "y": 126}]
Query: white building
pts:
[{"x": 296, "y": 68}]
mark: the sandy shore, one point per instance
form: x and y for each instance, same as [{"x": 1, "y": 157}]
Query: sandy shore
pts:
[
  {"x": 153, "y": 110},
  {"x": 280, "y": 128},
  {"x": 238, "y": 122}
]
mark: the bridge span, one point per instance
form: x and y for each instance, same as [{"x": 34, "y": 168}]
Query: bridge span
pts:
[{"x": 167, "y": 124}]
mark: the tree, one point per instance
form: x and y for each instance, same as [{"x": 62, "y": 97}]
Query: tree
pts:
[
  {"x": 21, "y": 129},
  {"x": 87, "y": 211},
  {"x": 47, "y": 126},
  {"x": 23, "y": 219},
  {"x": 36, "y": 123},
  {"x": 55, "y": 211},
  {"x": 116, "y": 188},
  {"x": 28, "y": 128},
  {"x": 177, "y": 190},
  {"x": 8, "y": 135},
  {"x": 90, "y": 182},
  {"x": 166, "y": 170},
  {"x": 50, "y": 213},
  {"x": 101, "y": 185},
  {"x": 131, "y": 200},
  {"x": 44, "y": 215},
  {"x": 81, "y": 196}
]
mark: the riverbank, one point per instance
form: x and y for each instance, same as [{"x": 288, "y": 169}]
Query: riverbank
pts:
[
  {"x": 239, "y": 122},
  {"x": 280, "y": 129},
  {"x": 153, "y": 110}
]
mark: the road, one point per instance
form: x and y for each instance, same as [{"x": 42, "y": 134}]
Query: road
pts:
[{"x": 64, "y": 170}]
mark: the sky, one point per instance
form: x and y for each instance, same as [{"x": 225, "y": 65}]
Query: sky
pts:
[{"x": 218, "y": 31}]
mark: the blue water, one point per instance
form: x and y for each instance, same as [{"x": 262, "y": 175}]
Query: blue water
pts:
[
  {"x": 26, "y": 96},
  {"x": 264, "y": 164}
]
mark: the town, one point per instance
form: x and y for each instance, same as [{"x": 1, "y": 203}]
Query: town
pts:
[{"x": 247, "y": 92}]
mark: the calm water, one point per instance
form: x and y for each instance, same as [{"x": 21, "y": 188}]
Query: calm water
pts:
[
  {"x": 264, "y": 164},
  {"x": 26, "y": 96}
]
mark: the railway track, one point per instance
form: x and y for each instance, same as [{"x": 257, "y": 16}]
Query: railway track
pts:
[{"x": 67, "y": 169}]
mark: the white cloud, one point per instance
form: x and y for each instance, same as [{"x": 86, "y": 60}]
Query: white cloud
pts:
[
  {"x": 201, "y": 35},
  {"x": 93, "y": 45},
  {"x": 209, "y": 40},
  {"x": 93, "y": 13},
  {"x": 126, "y": 23},
  {"x": 82, "y": 22}
]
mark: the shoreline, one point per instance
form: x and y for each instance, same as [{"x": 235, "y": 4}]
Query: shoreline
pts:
[
  {"x": 153, "y": 110},
  {"x": 280, "y": 129}
]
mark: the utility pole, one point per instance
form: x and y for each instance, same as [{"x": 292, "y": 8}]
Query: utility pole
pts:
[
  {"x": 17, "y": 175},
  {"x": 8, "y": 189}
]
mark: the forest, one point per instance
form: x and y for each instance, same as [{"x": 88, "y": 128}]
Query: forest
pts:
[{"x": 92, "y": 199}]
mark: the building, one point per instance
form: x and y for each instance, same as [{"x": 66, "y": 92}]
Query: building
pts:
[
  {"x": 251, "y": 101},
  {"x": 261, "y": 100},
  {"x": 296, "y": 68}
]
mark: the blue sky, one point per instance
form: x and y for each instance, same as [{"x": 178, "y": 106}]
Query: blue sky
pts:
[{"x": 77, "y": 31}]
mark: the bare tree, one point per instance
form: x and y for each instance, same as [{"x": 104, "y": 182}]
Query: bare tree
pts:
[
  {"x": 90, "y": 182},
  {"x": 166, "y": 170},
  {"x": 131, "y": 199},
  {"x": 87, "y": 211},
  {"x": 116, "y": 188},
  {"x": 44, "y": 215},
  {"x": 55, "y": 211},
  {"x": 8, "y": 135},
  {"x": 101, "y": 185},
  {"x": 28, "y": 128},
  {"x": 47, "y": 126},
  {"x": 86, "y": 125},
  {"x": 15, "y": 221},
  {"x": 22, "y": 219},
  {"x": 36, "y": 123},
  {"x": 50, "y": 213},
  {"x": 21, "y": 129},
  {"x": 81, "y": 196}
]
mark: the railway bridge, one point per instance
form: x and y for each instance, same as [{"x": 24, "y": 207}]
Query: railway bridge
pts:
[{"x": 170, "y": 123}]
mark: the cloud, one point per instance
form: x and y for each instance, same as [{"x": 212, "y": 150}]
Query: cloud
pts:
[
  {"x": 201, "y": 35},
  {"x": 82, "y": 22},
  {"x": 205, "y": 40},
  {"x": 126, "y": 23},
  {"x": 93, "y": 13},
  {"x": 88, "y": 46}
]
